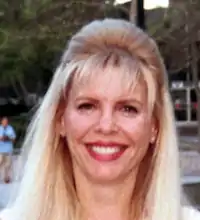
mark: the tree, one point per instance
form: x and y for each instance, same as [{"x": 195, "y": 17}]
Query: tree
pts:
[{"x": 33, "y": 34}]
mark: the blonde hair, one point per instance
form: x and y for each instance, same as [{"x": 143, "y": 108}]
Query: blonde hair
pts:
[{"x": 47, "y": 190}]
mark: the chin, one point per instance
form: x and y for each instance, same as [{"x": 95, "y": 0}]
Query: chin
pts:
[
  {"x": 105, "y": 178},
  {"x": 107, "y": 168},
  {"x": 104, "y": 173}
]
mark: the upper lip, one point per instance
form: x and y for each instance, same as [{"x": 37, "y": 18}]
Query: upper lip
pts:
[{"x": 106, "y": 143}]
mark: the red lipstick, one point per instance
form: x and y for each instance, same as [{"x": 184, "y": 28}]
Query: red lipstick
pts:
[{"x": 105, "y": 151}]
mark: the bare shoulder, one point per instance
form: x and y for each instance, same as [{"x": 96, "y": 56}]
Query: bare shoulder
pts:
[{"x": 190, "y": 213}]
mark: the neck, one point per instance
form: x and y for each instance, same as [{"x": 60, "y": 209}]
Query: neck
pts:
[{"x": 105, "y": 201}]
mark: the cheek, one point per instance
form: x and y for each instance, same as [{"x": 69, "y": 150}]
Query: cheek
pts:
[
  {"x": 76, "y": 125},
  {"x": 138, "y": 129}
]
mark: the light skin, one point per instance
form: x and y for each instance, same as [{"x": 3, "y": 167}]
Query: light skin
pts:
[
  {"x": 4, "y": 123},
  {"x": 104, "y": 109}
]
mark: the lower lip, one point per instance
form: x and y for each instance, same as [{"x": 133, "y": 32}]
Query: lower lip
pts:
[{"x": 105, "y": 157}]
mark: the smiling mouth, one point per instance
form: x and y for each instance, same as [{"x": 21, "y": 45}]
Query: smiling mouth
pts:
[{"x": 104, "y": 152}]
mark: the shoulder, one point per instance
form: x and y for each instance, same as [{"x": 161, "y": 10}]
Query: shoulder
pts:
[
  {"x": 10, "y": 130},
  {"x": 190, "y": 213},
  {"x": 10, "y": 127}
]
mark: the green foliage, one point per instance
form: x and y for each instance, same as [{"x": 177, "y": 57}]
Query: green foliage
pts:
[{"x": 34, "y": 32}]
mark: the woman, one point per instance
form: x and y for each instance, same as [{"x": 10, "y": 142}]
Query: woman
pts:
[{"x": 103, "y": 142}]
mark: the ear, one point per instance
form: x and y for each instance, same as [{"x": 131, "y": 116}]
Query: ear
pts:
[
  {"x": 61, "y": 127},
  {"x": 154, "y": 131}
]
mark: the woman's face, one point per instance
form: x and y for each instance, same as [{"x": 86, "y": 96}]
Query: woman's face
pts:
[{"x": 108, "y": 127}]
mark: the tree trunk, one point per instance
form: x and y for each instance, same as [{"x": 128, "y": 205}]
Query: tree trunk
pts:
[
  {"x": 133, "y": 11},
  {"x": 13, "y": 83},
  {"x": 24, "y": 91},
  {"x": 137, "y": 13}
]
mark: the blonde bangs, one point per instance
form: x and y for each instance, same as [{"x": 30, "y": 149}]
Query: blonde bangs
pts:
[{"x": 131, "y": 72}]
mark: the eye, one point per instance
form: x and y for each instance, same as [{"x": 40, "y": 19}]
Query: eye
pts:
[
  {"x": 129, "y": 109},
  {"x": 85, "y": 106}
]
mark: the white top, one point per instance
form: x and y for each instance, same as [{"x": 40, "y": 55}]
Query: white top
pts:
[{"x": 189, "y": 213}]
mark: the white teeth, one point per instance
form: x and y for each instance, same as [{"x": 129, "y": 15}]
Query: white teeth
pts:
[{"x": 105, "y": 150}]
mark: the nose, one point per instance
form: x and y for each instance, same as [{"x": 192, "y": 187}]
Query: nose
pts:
[{"x": 106, "y": 123}]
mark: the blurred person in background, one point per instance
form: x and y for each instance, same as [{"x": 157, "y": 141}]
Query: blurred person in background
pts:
[
  {"x": 7, "y": 138},
  {"x": 102, "y": 145}
]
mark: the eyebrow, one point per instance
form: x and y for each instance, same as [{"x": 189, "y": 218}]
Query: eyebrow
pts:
[
  {"x": 120, "y": 100},
  {"x": 80, "y": 98},
  {"x": 128, "y": 100}
]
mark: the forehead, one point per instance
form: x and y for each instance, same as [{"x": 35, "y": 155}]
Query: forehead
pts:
[{"x": 109, "y": 83}]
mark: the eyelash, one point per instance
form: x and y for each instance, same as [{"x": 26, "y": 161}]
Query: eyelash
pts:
[
  {"x": 125, "y": 108},
  {"x": 129, "y": 109},
  {"x": 85, "y": 106}
]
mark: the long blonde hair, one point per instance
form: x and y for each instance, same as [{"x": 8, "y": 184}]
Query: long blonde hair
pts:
[{"x": 47, "y": 190}]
